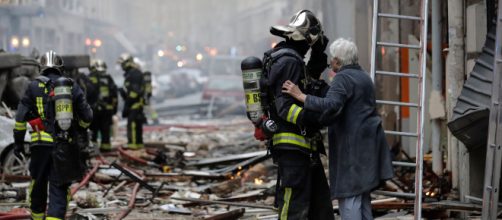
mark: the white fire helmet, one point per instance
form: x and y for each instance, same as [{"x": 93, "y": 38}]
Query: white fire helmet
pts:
[{"x": 302, "y": 26}]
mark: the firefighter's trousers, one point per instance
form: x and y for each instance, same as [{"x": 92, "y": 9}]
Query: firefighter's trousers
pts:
[
  {"x": 102, "y": 125},
  {"x": 303, "y": 191},
  {"x": 42, "y": 174},
  {"x": 135, "y": 121}
]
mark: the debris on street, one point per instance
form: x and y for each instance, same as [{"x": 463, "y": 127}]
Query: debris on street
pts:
[
  {"x": 211, "y": 169},
  {"x": 203, "y": 169}
]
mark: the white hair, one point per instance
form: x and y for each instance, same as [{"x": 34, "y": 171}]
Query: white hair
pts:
[{"x": 345, "y": 51}]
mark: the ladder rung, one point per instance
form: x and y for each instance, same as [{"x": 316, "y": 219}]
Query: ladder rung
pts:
[
  {"x": 398, "y": 45},
  {"x": 407, "y": 17},
  {"x": 400, "y": 133},
  {"x": 403, "y": 164},
  {"x": 387, "y": 73},
  {"x": 499, "y": 60},
  {"x": 394, "y": 194},
  {"x": 397, "y": 103}
]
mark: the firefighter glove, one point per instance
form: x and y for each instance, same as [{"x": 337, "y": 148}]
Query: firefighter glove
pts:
[{"x": 259, "y": 134}]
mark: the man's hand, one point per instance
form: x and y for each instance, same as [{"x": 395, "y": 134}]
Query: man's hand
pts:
[{"x": 19, "y": 151}]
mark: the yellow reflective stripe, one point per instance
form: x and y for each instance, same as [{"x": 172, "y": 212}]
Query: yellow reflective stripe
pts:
[
  {"x": 135, "y": 146},
  {"x": 37, "y": 216},
  {"x": 133, "y": 94},
  {"x": 137, "y": 105},
  {"x": 94, "y": 80},
  {"x": 68, "y": 197},
  {"x": 52, "y": 218},
  {"x": 41, "y": 136},
  {"x": 104, "y": 91},
  {"x": 40, "y": 107},
  {"x": 30, "y": 188},
  {"x": 293, "y": 113},
  {"x": 109, "y": 107},
  {"x": 290, "y": 138},
  {"x": 20, "y": 126},
  {"x": 133, "y": 132},
  {"x": 106, "y": 146},
  {"x": 41, "y": 85},
  {"x": 285, "y": 206},
  {"x": 84, "y": 124}
]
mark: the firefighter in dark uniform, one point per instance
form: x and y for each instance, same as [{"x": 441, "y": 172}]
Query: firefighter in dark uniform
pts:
[
  {"x": 149, "y": 108},
  {"x": 43, "y": 108},
  {"x": 82, "y": 80},
  {"x": 302, "y": 189},
  {"x": 133, "y": 94},
  {"x": 147, "y": 79},
  {"x": 105, "y": 105}
]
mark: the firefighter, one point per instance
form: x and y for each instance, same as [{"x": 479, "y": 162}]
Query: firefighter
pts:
[
  {"x": 149, "y": 108},
  {"x": 82, "y": 80},
  {"x": 105, "y": 104},
  {"x": 133, "y": 94},
  {"x": 147, "y": 79},
  {"x": 302, "y": 188},
  {"x": 54, "y": 106}
]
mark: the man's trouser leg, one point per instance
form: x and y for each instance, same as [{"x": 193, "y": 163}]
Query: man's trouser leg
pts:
[
  {"x": 356, "y": 207},
  {"x": 135, "y": 129},
  {"x": 130, "y": 123},
  {"x": 320, "y": 202},
  {"x": 39, "y": 171},
  {"x": 105, "y": 127},
  {"x": 295, "y": 186},
  {"x": 366, "y": 210},
  {"x": 59, "y": 196},
  {"x": 94, "y": 127},
  {"x": 139, "y": 128}
]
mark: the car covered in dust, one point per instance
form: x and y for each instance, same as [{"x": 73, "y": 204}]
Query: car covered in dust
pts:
[
  {"x": 16, "y": 72},
  {"x": 10, "y": 164}
]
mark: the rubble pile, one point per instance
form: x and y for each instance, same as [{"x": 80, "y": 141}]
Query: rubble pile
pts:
[{"x": 202, "y": 170}]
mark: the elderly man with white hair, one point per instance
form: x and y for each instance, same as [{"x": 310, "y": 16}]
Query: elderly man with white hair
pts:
[{"x": 359, "y": 156}]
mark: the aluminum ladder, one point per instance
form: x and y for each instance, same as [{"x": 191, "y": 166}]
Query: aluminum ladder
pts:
[
  {"x": 494, "y": 145},
  {"x": 421, "y": 76}
]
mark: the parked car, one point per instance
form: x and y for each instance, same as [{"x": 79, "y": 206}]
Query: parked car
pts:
[
  {"x": 224, "y": 95},
  {"x": 224, "y": 89},
  {"x": 10, "y": 164},
  {"x": 224, "y": 65},
  {"x": 16, "y": 72},
  {"x": 178, "y": 83}
]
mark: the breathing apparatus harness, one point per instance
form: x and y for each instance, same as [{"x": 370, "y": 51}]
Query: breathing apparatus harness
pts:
[
  {"x": 259, "y": 99},
  {"x": 59, "y": 107}
]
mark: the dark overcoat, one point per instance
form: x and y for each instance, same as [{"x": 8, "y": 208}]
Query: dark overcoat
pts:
[{"x": 359, "y": 156}]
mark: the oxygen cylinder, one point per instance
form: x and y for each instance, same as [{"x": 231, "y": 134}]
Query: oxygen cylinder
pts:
[
  {"x": 63, "y": 102},
  {"x": 251, "y": 72}
]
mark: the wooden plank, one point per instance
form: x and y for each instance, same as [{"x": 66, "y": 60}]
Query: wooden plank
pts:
[{"x": 234, "y": 214}]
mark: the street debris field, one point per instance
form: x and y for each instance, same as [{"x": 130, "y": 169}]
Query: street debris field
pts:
[
  {"x": 193, "y": 170},
  {"x": 196, "y": 168}
]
